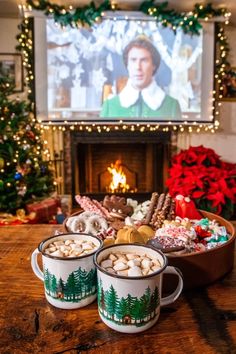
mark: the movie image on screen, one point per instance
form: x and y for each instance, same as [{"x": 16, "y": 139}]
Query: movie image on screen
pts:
[{"x": 128, "y": 69}]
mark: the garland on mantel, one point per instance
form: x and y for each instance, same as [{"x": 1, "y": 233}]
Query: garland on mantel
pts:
[
  {"x": 88, "y": 14},
  {"x": 77, "y": 16},
  {"x": 188, "y": 21},
  {"x": 73, "y": 16}
]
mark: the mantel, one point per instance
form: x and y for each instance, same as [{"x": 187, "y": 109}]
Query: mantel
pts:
[{"x": 120, "y": 137}]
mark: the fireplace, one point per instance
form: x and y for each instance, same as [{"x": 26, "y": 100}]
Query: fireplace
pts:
[{"x": 143, "y": 157}]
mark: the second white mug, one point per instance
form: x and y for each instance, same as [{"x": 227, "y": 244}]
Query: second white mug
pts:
[{"x": 132, "y": 304}]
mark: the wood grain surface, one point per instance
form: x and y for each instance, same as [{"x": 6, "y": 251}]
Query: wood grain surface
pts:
[{"x": 200, "y": 321}]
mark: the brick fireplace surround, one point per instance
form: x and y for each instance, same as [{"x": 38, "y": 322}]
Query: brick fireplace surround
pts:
[{"x": 145, "y": 156}]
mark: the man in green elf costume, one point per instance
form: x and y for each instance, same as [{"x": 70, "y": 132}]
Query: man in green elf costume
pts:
[{"x": 141, "y": 97}]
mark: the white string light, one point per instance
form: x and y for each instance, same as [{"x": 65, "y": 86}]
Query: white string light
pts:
[{"x": 26, "y": 41}]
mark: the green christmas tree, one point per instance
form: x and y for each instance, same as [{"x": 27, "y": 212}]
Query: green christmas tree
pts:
[{"x": 24, "y": 175}]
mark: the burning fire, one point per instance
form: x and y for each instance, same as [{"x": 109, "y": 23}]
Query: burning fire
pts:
[{"x": 118, "y": 182}]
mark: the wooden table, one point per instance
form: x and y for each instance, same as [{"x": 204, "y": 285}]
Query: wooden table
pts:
[{"x": 201, "y": 321}]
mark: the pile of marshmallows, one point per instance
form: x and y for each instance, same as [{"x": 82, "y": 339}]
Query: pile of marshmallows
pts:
[
  {"x": 130, "y": 264},
  {"x": 120, "y": 263},
  {"x": 70, "y": 248}
]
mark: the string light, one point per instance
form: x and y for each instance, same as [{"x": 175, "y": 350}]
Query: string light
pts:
[{"x": 188, "y": 19}]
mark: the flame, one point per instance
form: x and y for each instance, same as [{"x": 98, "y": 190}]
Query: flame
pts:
[{"x": 118, "y": 182}]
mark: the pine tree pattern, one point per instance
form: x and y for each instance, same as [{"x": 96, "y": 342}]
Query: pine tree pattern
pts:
[
  {"x": 128, "y": 310},
  {"x": 78, "y": 286}
]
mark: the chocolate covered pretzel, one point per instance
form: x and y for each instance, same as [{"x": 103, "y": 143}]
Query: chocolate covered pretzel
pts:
[
  {"x": 171, "y": 214},
  {"x": 151, "y": 208},
  {"x": 158, "y": 208},
  {"x": 163, "y": 212}
]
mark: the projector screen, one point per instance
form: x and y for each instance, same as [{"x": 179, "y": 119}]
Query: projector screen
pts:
[{"x": 126, "y": 68}]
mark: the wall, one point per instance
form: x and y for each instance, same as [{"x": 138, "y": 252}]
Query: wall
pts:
[
  {"x": 224, "y": 141},
  {"x": 8, "y": 32}
]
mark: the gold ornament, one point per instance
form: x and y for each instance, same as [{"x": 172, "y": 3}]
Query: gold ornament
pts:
[{"x": 2, "y": 162}]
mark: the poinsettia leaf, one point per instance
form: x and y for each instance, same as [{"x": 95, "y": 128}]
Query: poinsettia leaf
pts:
[{"x": 197, "y": 194}]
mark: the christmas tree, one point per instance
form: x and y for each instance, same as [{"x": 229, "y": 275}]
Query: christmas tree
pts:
[{"x": 24, "y": 175}]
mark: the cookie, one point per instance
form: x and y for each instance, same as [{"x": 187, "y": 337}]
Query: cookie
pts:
[{"x": 117, "y": 206}]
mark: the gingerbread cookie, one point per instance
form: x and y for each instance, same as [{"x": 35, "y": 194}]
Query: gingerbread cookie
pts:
[{"x": 117, "y": 206}]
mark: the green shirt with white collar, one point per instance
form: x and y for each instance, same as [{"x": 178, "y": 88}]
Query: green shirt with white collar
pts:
[{"x": 169, "y": 110}]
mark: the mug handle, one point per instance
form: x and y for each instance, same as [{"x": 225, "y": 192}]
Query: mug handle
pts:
[
  {"x": 34, "y": 264},
  {"x": 174, "y": 296}
]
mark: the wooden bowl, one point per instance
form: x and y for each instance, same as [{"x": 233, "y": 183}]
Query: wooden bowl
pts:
[{"x": 203, "y": 268}]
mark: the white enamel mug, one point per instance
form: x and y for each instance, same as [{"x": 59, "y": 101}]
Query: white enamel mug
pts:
[
  {"x": 132, "y": 304},
  {"x": 69, "y": 282}
]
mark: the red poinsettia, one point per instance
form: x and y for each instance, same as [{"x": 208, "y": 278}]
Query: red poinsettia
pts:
[{"x": 200, "y": 174}]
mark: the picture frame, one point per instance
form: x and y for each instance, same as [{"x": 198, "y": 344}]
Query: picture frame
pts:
[
  {"x": 228, "y": 84},
  {"x": 11, "y": 65}
]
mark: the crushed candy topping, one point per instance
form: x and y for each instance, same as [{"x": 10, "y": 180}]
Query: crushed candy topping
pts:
[{"x": 202, "y": 235}]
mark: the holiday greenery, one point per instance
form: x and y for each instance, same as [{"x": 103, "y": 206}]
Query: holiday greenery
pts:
[
  {"x": 87, "y": 15},
  {"x": 25, "y": 40},
  {"x": 24, "y": 176},
  {"x": 71, "y": 16},
  {"x": 189, "y": 22}
]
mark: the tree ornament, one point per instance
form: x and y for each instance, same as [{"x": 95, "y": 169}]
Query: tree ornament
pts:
[
  {"x": 43, "y": 169},
  {"x": 31, "y": 116},
  {"x": 17, "y": 176},
  {"x": 2, "y": 162},
  {"x": 21, "y": 169},
  {"x": 30, "y": 135},
  {"x": 21, "y": 190},
  {"x": 25, "y": 169},
  {"x": 21, "y": 132}
]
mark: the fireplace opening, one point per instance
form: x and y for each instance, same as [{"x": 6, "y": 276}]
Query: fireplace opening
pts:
[
  {"x": 141, "y": 160},
  {"x": 118, "y": 178}
]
